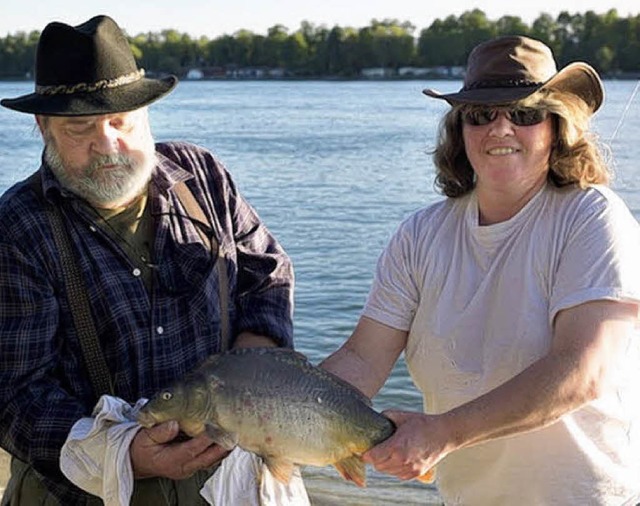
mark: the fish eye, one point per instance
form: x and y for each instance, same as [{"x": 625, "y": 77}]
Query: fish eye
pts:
[{"x": 166, "y": 396}]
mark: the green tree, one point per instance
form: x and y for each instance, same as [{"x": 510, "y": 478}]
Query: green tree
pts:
[
  {"x": 274, "y": 46},
  {"x": 609, "y": 42},
  {"x": 627, "y": 34},
  {"x": 17, "y": 54},
  {"x": 295, "y": 52},
  {"x": 242, "y": 54},
  {"x": 150, "y": 46},
  {"x": 449, "y": 42},
  {"x": 543, "y": 28},
  {"x": 568, "y": 29},
  {"x": 442, "y": 44},
  {"x": 334, "y": 60},
  {"x": 392, "y": 43},
  {"x": 475, "y": 28},
  {"x": 512, "y": 25},
  {"x": 604, "y": 58},
  {"x": 319, "y": 51}
]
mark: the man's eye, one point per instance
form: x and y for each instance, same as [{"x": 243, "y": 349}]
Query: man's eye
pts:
[
  {"x": 122, "y": 125},
  {"x": 79, "y": 129}
]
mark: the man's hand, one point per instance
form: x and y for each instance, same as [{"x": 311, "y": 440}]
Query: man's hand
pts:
[{"x": 155, "y": 453}]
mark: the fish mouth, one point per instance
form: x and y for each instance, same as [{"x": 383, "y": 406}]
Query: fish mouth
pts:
[{"x": 145, "y": 419}]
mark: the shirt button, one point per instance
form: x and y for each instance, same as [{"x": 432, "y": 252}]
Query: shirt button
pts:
[
  {"x": 136, "y": 272},
  {"x": 160, "y": 330}
]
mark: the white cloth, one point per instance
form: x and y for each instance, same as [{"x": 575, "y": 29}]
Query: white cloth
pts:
[
  {"x": 479, "y": 303},
  {"x": 95, "y": 457},
  {"x": 243, "y": 480}
]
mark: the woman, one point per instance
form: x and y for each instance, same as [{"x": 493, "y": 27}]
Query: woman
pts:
[{"x": 515, "y": 299}]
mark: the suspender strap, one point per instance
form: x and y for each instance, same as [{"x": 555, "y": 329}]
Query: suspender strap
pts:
[
  {"x": 77, "y": 297},
  {"x": 196, "y": 213}
]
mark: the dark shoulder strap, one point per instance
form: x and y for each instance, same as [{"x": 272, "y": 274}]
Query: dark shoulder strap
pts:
[
  {"x": 195, "y": 212},
  {"x": 35, "y": 182},
  {"x": 77, "y": 296}
]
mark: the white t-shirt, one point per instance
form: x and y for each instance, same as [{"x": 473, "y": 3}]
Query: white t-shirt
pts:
[{"x": 479, "y": 303}]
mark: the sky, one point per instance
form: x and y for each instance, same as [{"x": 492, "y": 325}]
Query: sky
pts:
[{"x": 212, "y": 18}]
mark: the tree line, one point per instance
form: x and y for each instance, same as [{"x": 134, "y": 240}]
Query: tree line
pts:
[{"x": 607, "y": 41}]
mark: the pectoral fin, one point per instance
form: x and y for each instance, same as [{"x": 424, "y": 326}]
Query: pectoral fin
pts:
[
  {"x": 280, "y": 469},
  {"x": 352, "y": 469},
  {"x": 428, "y": 477},
  {"x": 227, "y": 440}
]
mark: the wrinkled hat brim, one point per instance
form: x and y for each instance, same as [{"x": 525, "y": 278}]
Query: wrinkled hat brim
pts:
[
  {"x": 484, "y": 95},
  {"x": 123, "y": 98},
  {"x": 577, "y": 78}
]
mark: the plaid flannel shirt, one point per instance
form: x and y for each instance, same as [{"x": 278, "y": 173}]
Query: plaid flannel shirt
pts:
[{"x": 148, "y": 338}]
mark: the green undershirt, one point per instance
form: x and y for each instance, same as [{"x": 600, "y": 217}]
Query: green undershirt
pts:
[{"x": 132, "y": 228}]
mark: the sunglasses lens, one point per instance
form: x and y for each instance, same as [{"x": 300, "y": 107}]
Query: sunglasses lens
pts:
[
  {"x": 527, "y": 117},
  {"x": 479, "y": 116}
]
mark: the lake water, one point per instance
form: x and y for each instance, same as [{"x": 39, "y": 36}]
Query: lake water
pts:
[{"x": 332, "y": 168}]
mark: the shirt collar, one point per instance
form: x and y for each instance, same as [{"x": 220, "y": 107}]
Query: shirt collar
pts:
[{"x": 168, "y": 173}]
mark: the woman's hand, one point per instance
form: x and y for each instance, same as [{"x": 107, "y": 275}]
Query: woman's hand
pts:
[{"x": 412, "y": 451}]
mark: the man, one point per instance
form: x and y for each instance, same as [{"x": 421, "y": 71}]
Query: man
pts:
[{"x": 173, "y": 259}]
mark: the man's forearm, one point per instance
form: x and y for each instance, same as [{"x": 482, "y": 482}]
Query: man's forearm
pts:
[{"x": 251, "y": 340}]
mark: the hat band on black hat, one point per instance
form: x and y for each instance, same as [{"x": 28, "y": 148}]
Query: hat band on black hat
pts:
[
  {"x": 502, "y": 83},
  {"x": 63, "y": 89}
]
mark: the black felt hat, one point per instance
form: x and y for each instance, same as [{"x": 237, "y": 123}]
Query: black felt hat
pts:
[{"x": 85, "y": 70}]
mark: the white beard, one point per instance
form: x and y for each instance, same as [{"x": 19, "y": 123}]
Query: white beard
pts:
[{"x": 100, "y": 187}]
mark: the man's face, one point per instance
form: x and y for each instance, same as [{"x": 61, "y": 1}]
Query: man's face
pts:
[{"x": 106, "y": 160}]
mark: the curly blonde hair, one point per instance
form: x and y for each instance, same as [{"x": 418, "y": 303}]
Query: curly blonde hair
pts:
[{"x": 576, "y": 156}]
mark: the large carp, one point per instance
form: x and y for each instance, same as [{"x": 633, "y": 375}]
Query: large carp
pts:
[{"x": 275, "y": 403}]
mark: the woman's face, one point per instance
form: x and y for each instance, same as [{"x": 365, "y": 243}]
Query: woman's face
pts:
[{"x": 507, "y": 147}]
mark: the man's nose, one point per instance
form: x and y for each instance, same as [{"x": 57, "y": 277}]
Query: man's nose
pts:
[{"x": 106, "y": 139}]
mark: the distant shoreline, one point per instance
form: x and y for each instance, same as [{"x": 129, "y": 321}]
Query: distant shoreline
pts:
[
  {"x": 628, "y": 76},
  {"x": 318, "y": 78}
]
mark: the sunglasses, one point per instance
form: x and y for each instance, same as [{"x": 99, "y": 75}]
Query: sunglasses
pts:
[{"x": 522, "y": 116}]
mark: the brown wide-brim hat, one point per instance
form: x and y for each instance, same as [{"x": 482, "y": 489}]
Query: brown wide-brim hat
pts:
[
  {"x": 510, "y": 68},
  {"x": 87, "y": 69}
]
